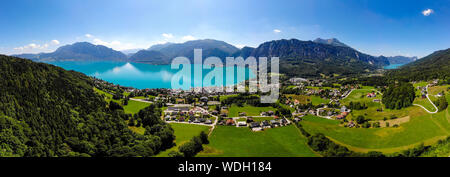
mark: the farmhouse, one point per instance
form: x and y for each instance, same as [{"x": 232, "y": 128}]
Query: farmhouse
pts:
[
  {"x": 241, "y": 124},
  {"x": 371, "y": 95},
  {"x": 255, "y": 126},
  {"x": 176, "y": 109},
  {"x": 230, "y": 122},
  {"x": 265, "y": 124}
]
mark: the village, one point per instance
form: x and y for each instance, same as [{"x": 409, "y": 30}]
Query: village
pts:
[{"x": 206, "y": 107}]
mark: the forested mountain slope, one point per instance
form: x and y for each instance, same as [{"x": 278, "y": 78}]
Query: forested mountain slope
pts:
[
  {"x": 434, "y": 66},
  {"x": 48, "y": 111}
]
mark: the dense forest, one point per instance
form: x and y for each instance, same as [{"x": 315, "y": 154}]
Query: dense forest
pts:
[
  {"x": 48, "y": 111},
  {"x": 399, "y": 95}
]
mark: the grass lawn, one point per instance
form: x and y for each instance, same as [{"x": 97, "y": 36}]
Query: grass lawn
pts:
[
  {"x": 373, "y": 114},
  {"x": 425, "y": 103},
  {"x": 422, "y": 128},
  {"x": 140, "y": 97},
  {"x": 107, "y": 96},
  {"x": 183, "y": 133},
  {"x": 438, "y": 89},
  {"x": 360, "y": 95},
  {"x": 227, "y": 141},
  {"x": 234, "y": 110},
  {"x": 223, "y": 97},
  {"x": 133, "y": 107},
  {"x": 316, "y": 100},
  {"x": 260, "y": 119}
]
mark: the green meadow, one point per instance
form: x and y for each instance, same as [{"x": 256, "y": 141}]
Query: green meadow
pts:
[
  {"x": 228, "y": 141},
  {"x": 234, "y": 110},
  {"x": 360, "y": 95},
  {"x": 183, "y": 133},
  {"x": 421, "y": 128},
  {"x": 133, "y": 107},
  {"x": 425, "y": 103}
]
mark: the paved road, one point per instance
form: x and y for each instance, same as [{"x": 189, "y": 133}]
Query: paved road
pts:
[
  {"x": 140, "y": 100},
  {"x": 435, "y": 107}
]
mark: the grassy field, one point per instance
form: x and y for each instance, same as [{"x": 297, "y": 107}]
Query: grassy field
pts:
[
  {"x": 425, "y": 103},
  {"x": 422, "y": 128},
  {"x": 234, "y": 110},
  {"x": 223, "y": 97},
  {"x": 359, "y": 95},
  {"x": 133, "y": 107},
  {"x": 373, "y": 114},
  {"x": 108, "y": 97},
  {"x": 433, "y": 91},
  {"x": 183, "y": 133},
  {"x": 227, "y": 141},
  {"x": 259, "y": 119}
]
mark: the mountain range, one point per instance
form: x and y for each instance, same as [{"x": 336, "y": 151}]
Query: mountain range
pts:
[
  {"x": 80, "y": 51},
  {"x": 332, "y": 41},
  {"x": 401, "y": 59},
  {"x": 435, "y": 65},
  {"x": 297, "y": 58}
]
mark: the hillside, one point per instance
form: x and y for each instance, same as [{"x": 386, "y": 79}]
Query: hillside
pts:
[
  {"x": 434, "y": 66},
  {"x": 80, "y": 51},
  {"x": 307, "y": 58},
  {"x": 164, "y": 53},
  {"x": 332, "y": 41},
  {"x": 48, "y": 111},
  {"x": 150, "y": 57}
]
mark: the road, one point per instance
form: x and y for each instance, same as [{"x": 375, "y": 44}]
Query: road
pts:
[
  {"x": 428, "y": 97},
  {"x": 141, "y": 100}
]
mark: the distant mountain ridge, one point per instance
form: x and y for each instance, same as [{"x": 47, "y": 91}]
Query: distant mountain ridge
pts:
[
  {"x": 166, "y": 52},
  {"x": 401, "y": 59},
  {"x": 332, "y": 41},
  {"x": 297, "y": 58},
  {"x": 80, "y": 51},
  {"x": 308, "y": 58},
  {"x": 433, "y": 66}
]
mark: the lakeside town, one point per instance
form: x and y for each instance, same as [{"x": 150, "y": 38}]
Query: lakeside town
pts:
[{"x": 300, "y": 97}]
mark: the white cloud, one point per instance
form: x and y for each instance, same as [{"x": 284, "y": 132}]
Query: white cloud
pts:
[
  {"x": 167, "y": 35},
  {"x": 240, "y": 46},
  {"x": 188, "y": 38},
  {"x": 117, "y": 45},
  {"x": 277, "y": 31},
  {"x": 427, "y": 12},
  {"x": 55, "y": 42},
  {"x": 30, "y": 48},
  {"x": 97, "y": 41},
  {"x": 88, "y": 35}
]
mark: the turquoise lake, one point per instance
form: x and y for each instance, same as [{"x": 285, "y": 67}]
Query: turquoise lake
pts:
[
  {"x": 393, "y": 66},
  {"x": 141, "y": 76}
]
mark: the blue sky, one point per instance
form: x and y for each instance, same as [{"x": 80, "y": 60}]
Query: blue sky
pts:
[{"x": 376, "y": 27}]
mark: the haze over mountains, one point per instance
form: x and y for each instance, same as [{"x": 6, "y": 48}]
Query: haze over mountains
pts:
[
  {"x": 297, "y": 58},
  {"x": 401, "y": 59}
]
